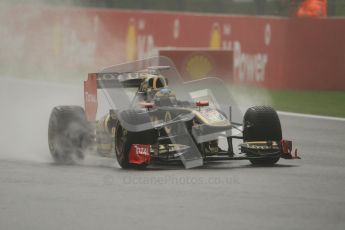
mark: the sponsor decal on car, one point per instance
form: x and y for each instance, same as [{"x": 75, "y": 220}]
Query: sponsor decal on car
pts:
[
  {"x": 139, "y": 154},
  {"x": 212, "y": 115}
]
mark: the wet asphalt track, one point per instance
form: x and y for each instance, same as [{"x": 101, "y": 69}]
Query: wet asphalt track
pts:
[{"x": 97, "y": 194}]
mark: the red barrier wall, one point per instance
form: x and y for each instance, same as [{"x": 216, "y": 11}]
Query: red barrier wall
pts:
[
  {"x": 315, "y": 55},
  {"x": 268, "y": 51}
]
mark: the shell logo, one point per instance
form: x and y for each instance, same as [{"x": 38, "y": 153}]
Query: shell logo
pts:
[
  {"x": 198, "y": 66},
  {"x": 131, "y": 41},
  {"x": 215, "y": 40}
]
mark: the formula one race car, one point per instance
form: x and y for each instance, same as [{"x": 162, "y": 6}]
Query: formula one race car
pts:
[{"x": 152, "y": 124}]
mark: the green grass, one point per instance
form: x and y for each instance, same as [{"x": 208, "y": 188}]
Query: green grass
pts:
[{"x": 327, "y": 103}]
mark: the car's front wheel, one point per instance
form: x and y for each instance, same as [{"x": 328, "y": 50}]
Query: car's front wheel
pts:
[
  {"x": 124, "y": 139},
  {"x": 261, "y": 123}
]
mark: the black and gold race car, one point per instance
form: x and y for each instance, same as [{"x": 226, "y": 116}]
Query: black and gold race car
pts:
[{"x": 154, "y": 116}]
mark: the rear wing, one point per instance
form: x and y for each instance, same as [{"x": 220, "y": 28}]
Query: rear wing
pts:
[{"x": 105, "y": 81}]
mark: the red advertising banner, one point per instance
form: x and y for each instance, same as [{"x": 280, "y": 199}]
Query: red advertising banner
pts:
[{"x": 274, "y": 52}]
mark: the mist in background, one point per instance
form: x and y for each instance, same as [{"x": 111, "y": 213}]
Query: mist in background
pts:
[
  {"x": 32, "y": 80},
  {"x": 48, "y": 42}
]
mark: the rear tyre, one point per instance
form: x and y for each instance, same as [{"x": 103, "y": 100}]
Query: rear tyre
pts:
[
  {"x": 261, "y": 123},
  {"x": 69, "y": 133},
  {"x": 124, "y": 138}
]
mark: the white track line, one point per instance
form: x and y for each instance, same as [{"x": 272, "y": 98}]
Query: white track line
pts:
[{"x": 310, "y": 116}]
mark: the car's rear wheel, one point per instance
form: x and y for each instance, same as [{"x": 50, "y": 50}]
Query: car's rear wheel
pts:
[
  {"x": 261, "y": 123},
  {"x": 69, "y": 133}
]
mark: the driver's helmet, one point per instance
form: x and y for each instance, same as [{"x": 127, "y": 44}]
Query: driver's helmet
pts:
[{"x": 153, "y": 83}]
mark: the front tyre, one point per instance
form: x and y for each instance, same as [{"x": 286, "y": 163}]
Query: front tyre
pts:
[
  {"x": 261, "y": 123},
  {"x": 124, "y": 138}
]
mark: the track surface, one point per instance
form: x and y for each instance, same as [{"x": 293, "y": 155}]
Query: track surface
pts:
[{"x": 97, "y": 194}]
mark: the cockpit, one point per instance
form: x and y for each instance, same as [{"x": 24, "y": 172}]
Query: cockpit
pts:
[{"x": 155, "y": 89}]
